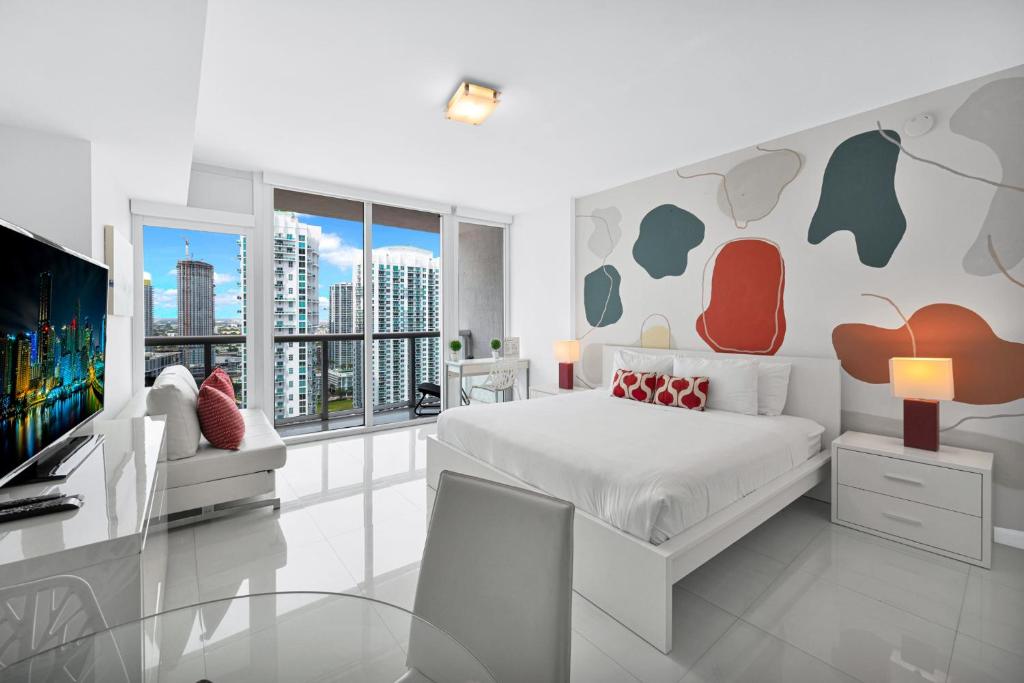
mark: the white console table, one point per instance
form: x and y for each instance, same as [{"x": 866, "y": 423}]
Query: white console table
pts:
[{"x": 67, "y": 574}]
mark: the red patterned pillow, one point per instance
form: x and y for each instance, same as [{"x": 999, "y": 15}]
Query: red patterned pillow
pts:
[
  {"x": 219, "y": 418},
  {"x": 636, "y": 386},
  {"x": 221, "y": 381},
  {"x": 682, "y": 392}
]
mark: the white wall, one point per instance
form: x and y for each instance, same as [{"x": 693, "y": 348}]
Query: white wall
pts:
[
  {"x": 66, "y": 190},
  {"x": 45, "y": 185},
  {"x": 224, "y": 189},
  {"x": 540, "y": 280},
  {"x": 110, "y": 206}
]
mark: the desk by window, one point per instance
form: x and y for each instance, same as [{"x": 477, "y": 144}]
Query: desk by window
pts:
[{"x": 474, "y": 367}]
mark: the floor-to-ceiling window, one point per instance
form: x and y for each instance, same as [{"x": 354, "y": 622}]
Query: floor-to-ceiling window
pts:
[
  {"x": 322, "y": 300},
  {"x": 195, "y": 302}
]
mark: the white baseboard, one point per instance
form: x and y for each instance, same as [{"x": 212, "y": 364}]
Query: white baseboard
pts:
[{"x": 1011, "y": 537}]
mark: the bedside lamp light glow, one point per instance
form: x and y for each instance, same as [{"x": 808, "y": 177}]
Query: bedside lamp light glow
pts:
[
  {"x": 921, "y": 383},
  {"x": 472, "y": 103},
  {"x": 567, "y": 352}
]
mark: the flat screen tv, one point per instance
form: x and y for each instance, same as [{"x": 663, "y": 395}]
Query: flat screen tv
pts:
[{"x": 53, "y": 323}]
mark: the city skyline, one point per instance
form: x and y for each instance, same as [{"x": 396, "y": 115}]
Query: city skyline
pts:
[{"x": 341, "y": 242}]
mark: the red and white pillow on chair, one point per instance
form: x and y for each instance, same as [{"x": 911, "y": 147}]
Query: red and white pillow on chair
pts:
[
  {"x": 636, "y": 386},
  {"x": 219, "y": 418},
  {"x": 682, "y": 392}
]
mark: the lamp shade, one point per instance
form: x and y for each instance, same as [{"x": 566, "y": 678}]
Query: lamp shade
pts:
[
  {"x": 567, "y": 351},
  {"x": 923, "y": 378}
]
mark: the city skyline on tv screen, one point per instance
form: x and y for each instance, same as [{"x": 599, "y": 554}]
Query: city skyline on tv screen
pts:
[{"x": 52, "y": 344}]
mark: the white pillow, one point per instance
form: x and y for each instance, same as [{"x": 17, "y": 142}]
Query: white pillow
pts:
[
  {"x": 641, "y": 362},
  {"x": 171, "y": 395},
  {"x": 184, "y": 373},
  {"x": 772, "y": 387},
  {"x": 733, "y": 382}
]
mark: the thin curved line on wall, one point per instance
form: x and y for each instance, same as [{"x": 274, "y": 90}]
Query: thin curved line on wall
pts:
[
  {"x": 644, "y": 323},
  {"x": 725, "y": 184},
  {"x": 999, "y": 264},
  {"x": 910, "y": 330},
  {"x": 943, "y": 166},
  {"x": 979, "y": 417},
  {"x": 604, "y": 265},
  {"x": 778, "y": 296}
]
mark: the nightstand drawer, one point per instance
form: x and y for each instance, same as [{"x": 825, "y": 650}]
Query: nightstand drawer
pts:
[
  {"x": 951, "y": 531},
  {"x": 935, "y": 485}
]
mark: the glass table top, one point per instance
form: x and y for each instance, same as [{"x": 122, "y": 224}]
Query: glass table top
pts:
[{"x": 288, "y": 636}]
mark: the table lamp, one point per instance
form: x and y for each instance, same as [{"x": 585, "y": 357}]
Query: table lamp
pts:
[
  {"x": 567, "y": 352},
  {"x": 921, "y": 383}
]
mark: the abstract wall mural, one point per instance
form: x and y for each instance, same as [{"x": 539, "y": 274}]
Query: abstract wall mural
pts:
[
  {"x": 986, "y": 369},
  {"x": 667, "y": 234},
  {"x": 751, "y": 189},
  {"x": 858, "y": 194},
  {"x": 822, "y": 217},
  {"x": 746, "y": 312},
  {"x": 994, "y": 116},
  {"x": 601, "y": 296},
  {"x": 607, "y": 231}
]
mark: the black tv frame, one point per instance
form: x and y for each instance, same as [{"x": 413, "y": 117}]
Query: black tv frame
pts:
[{"x": 49, "y": 463}]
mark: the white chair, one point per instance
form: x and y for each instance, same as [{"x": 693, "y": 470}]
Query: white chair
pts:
[
  {"x": 500, "y": 379},
  {"x": 497, "y": 576}
]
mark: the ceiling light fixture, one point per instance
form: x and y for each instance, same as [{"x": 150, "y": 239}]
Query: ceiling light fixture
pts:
[{"x": 472, "y": 103}]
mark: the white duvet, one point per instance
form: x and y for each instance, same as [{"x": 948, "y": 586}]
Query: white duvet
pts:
[{"x": 652, "y": 471}]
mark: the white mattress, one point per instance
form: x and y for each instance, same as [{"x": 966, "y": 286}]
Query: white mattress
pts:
[{"x": 651, "y": 471}]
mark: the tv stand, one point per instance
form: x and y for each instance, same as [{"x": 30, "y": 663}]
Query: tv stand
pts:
[{"x": 56, "y": 466}]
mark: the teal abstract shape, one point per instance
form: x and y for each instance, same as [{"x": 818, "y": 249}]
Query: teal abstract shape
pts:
[
  {"x": 601, "y": 300},
  {"x": 667, "y": 234},
  {"x": 858, "y": 194}
]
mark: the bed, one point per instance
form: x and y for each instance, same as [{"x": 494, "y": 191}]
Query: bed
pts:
[{"x": 658, "y": 490}]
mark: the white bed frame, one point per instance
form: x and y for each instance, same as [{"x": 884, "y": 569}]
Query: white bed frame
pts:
[{"x": 631, "y": 579}]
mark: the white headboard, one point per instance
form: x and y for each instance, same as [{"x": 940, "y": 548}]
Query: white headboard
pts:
[{"x": 814, "y": 384}]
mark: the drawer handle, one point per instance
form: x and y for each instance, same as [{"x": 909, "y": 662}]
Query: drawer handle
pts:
[
  {"x": 902, "y": 518},
  {"x": 904, "y": 479}
]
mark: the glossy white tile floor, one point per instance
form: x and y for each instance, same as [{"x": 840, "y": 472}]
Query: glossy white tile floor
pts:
[{"x": 796, "y": 600}]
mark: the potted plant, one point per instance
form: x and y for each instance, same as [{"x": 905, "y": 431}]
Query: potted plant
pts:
[
  {"x": 455, "y": 345},
  {"x": 495, "y": 345}
]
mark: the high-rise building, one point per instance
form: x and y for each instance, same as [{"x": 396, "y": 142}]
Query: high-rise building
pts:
[
  {"x": 7, "y": 346},
  {"x": 22, "y": 365},
  {"x": 195, "y": 303},
  {"x": 243, "y": 314},
  {"x": 147, "y": 293},
  {"x": 340, "y": 321},
  {"x": 296, "y": 311},
  {"x": 405, "y": 287}
]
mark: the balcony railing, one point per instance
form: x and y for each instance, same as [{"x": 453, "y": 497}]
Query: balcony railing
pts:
[
  {"x": 322, "y": 368},
  {"x": 184, "y": 344}
]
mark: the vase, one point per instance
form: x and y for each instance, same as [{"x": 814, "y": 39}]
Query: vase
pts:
[
  {"x": 494, "y": 354},
  {"x": 453, "y": 356}
]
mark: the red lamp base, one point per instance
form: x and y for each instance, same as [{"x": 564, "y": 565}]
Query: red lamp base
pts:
[
  {"x": 565, "y": 380},
  {"x": 921, "y": 424}
]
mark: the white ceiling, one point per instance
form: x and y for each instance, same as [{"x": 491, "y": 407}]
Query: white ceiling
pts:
[
  {"x": 595, "y": 93},
  {"x": 123, "y": 74}
]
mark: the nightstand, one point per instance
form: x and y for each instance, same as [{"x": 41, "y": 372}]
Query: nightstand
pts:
[
  {"x": 939, "y": 501},
  {"x": 545, "y": 390}
]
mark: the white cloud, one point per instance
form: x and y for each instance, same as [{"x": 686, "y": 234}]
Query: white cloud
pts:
[
  {"x": 337, "y": 253},
  {"x": 146, "y": 275},
  {"x": 229, "y": 297},
  {"x": 173, "y": 271},
  {"x": 324, "y": 301},
  {"x": 165, "y": 297},
  {"x": 223, "y": 278}
]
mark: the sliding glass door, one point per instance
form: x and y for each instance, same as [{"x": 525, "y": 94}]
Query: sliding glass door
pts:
[{"x": 333, "y": 299}]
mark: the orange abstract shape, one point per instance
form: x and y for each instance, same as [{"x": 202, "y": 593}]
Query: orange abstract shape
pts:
[
  {"x": 987, "y": 370},
  {"x": 746, "y": 313}
]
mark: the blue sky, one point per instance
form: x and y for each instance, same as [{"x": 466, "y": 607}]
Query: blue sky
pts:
[{"x": 341, "y": 241}]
